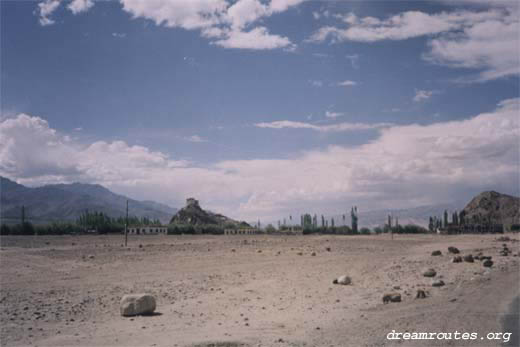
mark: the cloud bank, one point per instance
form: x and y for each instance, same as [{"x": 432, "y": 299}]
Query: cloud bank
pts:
[{"x": 405, "y": 166}]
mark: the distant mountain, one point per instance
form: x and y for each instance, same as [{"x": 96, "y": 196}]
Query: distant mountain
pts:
[
  {"x": 65, "y": 202},
  {"x": 496, "y": 207},
  {"x": 193, "y": 214}
]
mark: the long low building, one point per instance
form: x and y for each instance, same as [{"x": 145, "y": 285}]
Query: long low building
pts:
[
  {"x": 148, "y": 229},
  {"x": 248, "y": 231}
]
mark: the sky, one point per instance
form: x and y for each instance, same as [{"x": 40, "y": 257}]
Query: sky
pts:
[{"x": 263, "y": 109}]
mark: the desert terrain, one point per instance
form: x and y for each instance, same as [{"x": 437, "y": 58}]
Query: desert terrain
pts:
[{"x": 251, "y": 290}]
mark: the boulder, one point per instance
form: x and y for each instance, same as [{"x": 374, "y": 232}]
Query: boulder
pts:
[
  {"x": 438, "y": 283},
  {"x": 344, "y": 280},
  {"x": 430, "y": 273},
  {"x": 391, "y": 297},
  {"x": 436, "y": 253},
  {"x": 488, "y": 263},
  {"x": 137, "y": 304},
  {"x": 453, "y": 250},
  {"x": 457, "y": 259},
  {"x": 469, "y": 258}
]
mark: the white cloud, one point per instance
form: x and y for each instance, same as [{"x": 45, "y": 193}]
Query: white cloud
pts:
[
  {"x": 119, "y": 35},
  {"x": 244, "y": 12},
  {"x": 492, "y": 46},
  {"x": 196, "y": 138},
  {"x": 255, "y": 39},
  {"x": 78, "y": 6},
  {"x": 347, "y": 83},
  {"x": 485, "y": 40},
  {"x": 316, "y": 83},
  {"x": 333, "y": 115},
  {"x": 229, "y": 24},
  {"x": 46, "y": 9},
  {"x": 282, "y": 124},
  {"x": 186, "y": 14},
  {"x": 403, "y": 167},
  {"x": 402, "y": 26},
  {"x": 421, "y": 95}
]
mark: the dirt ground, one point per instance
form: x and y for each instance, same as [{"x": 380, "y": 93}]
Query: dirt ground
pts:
[{"x": 251, "y": 290}]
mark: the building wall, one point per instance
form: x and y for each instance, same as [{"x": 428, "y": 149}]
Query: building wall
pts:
[
  {"x": 241, "y": 231},
  {"x": 148, "y": 230}
]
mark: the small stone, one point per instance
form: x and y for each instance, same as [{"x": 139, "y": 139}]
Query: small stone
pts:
[
  {"x": 438, "y": 283},
  {"x": 391, "y": 297},
  {"x": 430, "y": 273},
  {"x": 421, "y": 294},
  {"x": 457, "y": 259},
  {"x": 91, "y": 256},
  {"x": 487, "y": 263},
  {"x": 343, "y": 280},
  {"x": 436, "y": 253},
  {"x": 453, "y": 250},
  {"x": 313, "y": 254},
  {"x": 327, "y": 249},
  {"x": 468, "y": 258}
]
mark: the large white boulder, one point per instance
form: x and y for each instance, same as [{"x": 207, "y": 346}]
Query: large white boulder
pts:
[{"x": 136, "y": 304}]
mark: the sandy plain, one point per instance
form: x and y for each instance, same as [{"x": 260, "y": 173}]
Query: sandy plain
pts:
[{"x": 251, "y": 290}]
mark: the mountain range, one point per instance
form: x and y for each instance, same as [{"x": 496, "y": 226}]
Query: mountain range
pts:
[{"x": 65, "y": 202}]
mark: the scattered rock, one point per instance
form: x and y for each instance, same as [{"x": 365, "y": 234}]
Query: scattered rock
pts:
[
  {"x": 430, "y": 273},
  {"x": 453, "y": 250},
  {"x": 504, "y": 239},
  {"x": 327, "y": 249},
  {"x": 436, "y": 253},
  {"x": 487, "y": 263},
  {"x": 91, "y": 256},
  {"x": 313, "y": 254},
  {"x": 468, "y": 258},
  {"x": 344, "y": 280},
  {"x": 137, "y": 304},
  {"x": 421, "y": 294},
  {"x": 391, "y": 297},
  {"x": 457, "y": 259},
  {"x": 438, "y": 283}
]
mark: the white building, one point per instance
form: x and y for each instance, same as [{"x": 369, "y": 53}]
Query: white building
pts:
[{"x": 148, "y": 229}]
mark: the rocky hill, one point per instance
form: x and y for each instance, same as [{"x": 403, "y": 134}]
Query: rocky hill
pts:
[
  {"x": 193, "y": 214},
  {"x": 65, "y": 202},
  {"x": 499, "y": 208}
]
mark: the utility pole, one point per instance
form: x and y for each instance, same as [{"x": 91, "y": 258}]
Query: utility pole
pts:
[
  {"x": 23, "y": 214},
  {"x": 126, "y": 224}
]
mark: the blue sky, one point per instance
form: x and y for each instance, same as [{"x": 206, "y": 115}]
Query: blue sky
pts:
[{"x": 212, "y": 98}]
